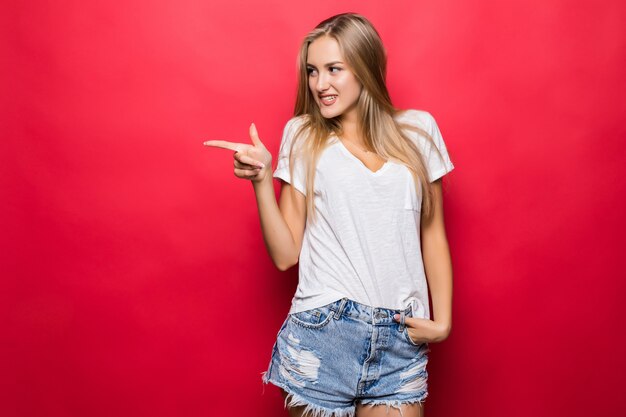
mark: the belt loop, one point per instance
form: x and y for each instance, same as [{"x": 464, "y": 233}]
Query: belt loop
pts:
[
  {"x": 402, "y": 316},
  {"x": 341, "y": 307}
]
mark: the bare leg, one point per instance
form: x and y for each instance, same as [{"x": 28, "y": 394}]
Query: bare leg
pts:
[
  {"x": 296, "y": 411},
  {"x": 408, "y": 410}
]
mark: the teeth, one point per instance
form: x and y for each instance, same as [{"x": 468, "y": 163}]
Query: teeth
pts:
[{"x": 329, "y": 98}]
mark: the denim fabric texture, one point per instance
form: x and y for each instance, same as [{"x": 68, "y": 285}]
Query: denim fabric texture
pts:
[{"x": 329, "y": 358}]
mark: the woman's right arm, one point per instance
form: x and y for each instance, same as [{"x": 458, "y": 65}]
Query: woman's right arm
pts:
[{"x": 282, "y": 227}]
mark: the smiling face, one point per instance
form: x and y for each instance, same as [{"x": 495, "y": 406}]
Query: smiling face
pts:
[{"x": 333, "y": 85}]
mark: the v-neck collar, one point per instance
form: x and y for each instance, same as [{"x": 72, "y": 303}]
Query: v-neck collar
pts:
[{"x": 350, "y": 155}]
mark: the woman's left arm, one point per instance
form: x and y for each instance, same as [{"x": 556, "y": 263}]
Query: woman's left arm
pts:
[{"x": 438, "y": 266}]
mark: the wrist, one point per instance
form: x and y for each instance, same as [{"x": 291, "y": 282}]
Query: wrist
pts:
[{"x": 267, "y": 179}]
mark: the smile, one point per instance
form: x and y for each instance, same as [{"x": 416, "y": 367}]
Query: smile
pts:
[{"x": 328, "y": 100}]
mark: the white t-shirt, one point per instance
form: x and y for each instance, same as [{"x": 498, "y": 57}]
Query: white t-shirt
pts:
[{"x": 365, "y": 244}]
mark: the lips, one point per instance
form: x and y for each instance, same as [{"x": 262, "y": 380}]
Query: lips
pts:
[{"x": 328, "y": 99}]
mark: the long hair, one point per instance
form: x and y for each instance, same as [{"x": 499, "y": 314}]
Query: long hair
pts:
[{"x": 363, "y": 51}]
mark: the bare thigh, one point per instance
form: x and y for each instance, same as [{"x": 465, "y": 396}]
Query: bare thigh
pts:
[
  {"x": 296, "y": 411},
  {"x": 408, "y": 410}
]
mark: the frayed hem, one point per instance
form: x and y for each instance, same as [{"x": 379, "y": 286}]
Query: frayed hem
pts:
[
  {"x": 395, "y": 403},
  {"x": 310, "y": 410}
]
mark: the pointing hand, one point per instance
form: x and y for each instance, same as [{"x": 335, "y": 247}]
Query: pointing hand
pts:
[{"x": 250, "y": 161}]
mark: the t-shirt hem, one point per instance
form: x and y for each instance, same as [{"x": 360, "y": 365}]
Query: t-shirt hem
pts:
[{"x": 297, "y": 307}]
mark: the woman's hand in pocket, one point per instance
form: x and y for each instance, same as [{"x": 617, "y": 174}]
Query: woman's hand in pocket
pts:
[
  {"x": 252, "y": 162},
  {"x": 425, "y": 330}
]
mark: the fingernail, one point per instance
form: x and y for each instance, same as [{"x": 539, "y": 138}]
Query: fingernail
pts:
[
  {"x": 261, "y": 165},
  {"x": 396, "y": 316}
]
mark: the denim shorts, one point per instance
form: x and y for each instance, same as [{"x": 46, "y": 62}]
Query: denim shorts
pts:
[{"x": 331, "y": 357}]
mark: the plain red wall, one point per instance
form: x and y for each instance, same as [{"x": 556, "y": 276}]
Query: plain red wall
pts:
[{"x": 135, "y": 280}]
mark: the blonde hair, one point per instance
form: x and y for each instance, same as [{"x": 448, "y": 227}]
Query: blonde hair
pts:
[{"x": 363, "y": 51}]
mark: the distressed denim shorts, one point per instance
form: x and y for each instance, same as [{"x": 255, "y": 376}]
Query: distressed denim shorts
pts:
[{"x": 331, "y": 357}]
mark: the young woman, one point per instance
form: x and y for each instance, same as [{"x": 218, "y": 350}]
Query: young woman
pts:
[{"x": 361, "y": 212}]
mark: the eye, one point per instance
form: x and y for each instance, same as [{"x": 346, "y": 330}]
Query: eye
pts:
[
  {"x": 332, "y": 68},
  {"x": 309, "y": 70}
]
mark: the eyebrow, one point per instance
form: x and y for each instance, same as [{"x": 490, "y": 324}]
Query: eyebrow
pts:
[{"x": 327, "y": 65}]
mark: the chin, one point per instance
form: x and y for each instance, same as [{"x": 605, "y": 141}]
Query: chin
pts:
[{"x": 329, "y": 114}]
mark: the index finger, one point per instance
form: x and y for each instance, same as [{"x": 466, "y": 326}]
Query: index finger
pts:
[{"x": 237, "y": 147}]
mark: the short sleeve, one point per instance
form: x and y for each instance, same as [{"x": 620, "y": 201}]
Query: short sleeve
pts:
[
  {"x": 282, "y": 166},
  {"x": 437, "y": 167}
]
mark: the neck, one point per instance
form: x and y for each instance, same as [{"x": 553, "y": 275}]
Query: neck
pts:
[{"x": 350, "y": 127}]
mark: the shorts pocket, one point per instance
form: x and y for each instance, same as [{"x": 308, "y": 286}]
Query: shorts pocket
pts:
[
  {"x": 408, "y": 337},
  {"x": 314, "y": 318},
  {"x": 405, "y": 332}
]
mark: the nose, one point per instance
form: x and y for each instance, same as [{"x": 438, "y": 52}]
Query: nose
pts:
[{"x": 322, "y": 83}]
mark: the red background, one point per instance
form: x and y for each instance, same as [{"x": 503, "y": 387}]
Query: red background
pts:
[{"x": 135, "y": 280}]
